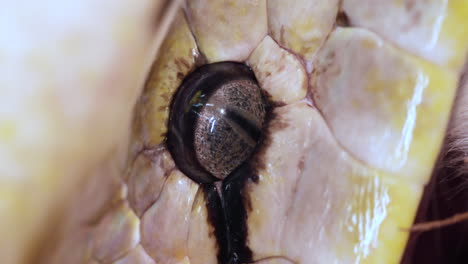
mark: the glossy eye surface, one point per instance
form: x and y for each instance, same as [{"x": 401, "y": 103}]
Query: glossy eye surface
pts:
[{"x": 216, "y": 120}]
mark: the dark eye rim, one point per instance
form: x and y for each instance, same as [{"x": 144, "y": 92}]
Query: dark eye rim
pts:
[{"x": 198, "y": 86}]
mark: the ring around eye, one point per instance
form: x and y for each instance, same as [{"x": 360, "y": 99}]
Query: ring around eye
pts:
[{"x": 216, "y": 120}]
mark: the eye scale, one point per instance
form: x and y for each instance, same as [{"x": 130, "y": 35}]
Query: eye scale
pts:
[
  {"x": 229, "y": 127},
  {"x": 216, "y": 121}
]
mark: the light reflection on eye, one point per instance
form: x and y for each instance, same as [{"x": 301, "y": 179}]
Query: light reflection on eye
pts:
[{"x": 224, "y": 123}]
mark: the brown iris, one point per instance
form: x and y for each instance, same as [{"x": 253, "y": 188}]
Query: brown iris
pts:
[{"x": 216, "y": 121}]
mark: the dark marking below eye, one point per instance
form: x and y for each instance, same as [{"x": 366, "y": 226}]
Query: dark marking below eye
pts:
[
  {"x": 228, "y": 215},
  {"x": 236, "y": 203}
]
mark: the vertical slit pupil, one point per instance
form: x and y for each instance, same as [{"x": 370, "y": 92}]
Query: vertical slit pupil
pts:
[{"x": 216, "y": 120}]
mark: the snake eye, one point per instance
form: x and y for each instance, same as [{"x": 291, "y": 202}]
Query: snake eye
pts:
[{"x": 216, "y": 120}]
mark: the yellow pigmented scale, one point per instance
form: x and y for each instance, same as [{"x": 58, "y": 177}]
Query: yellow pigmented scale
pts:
[
  {"x": 347, "y": 162},
  {"x": 177, "y": 59}
]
